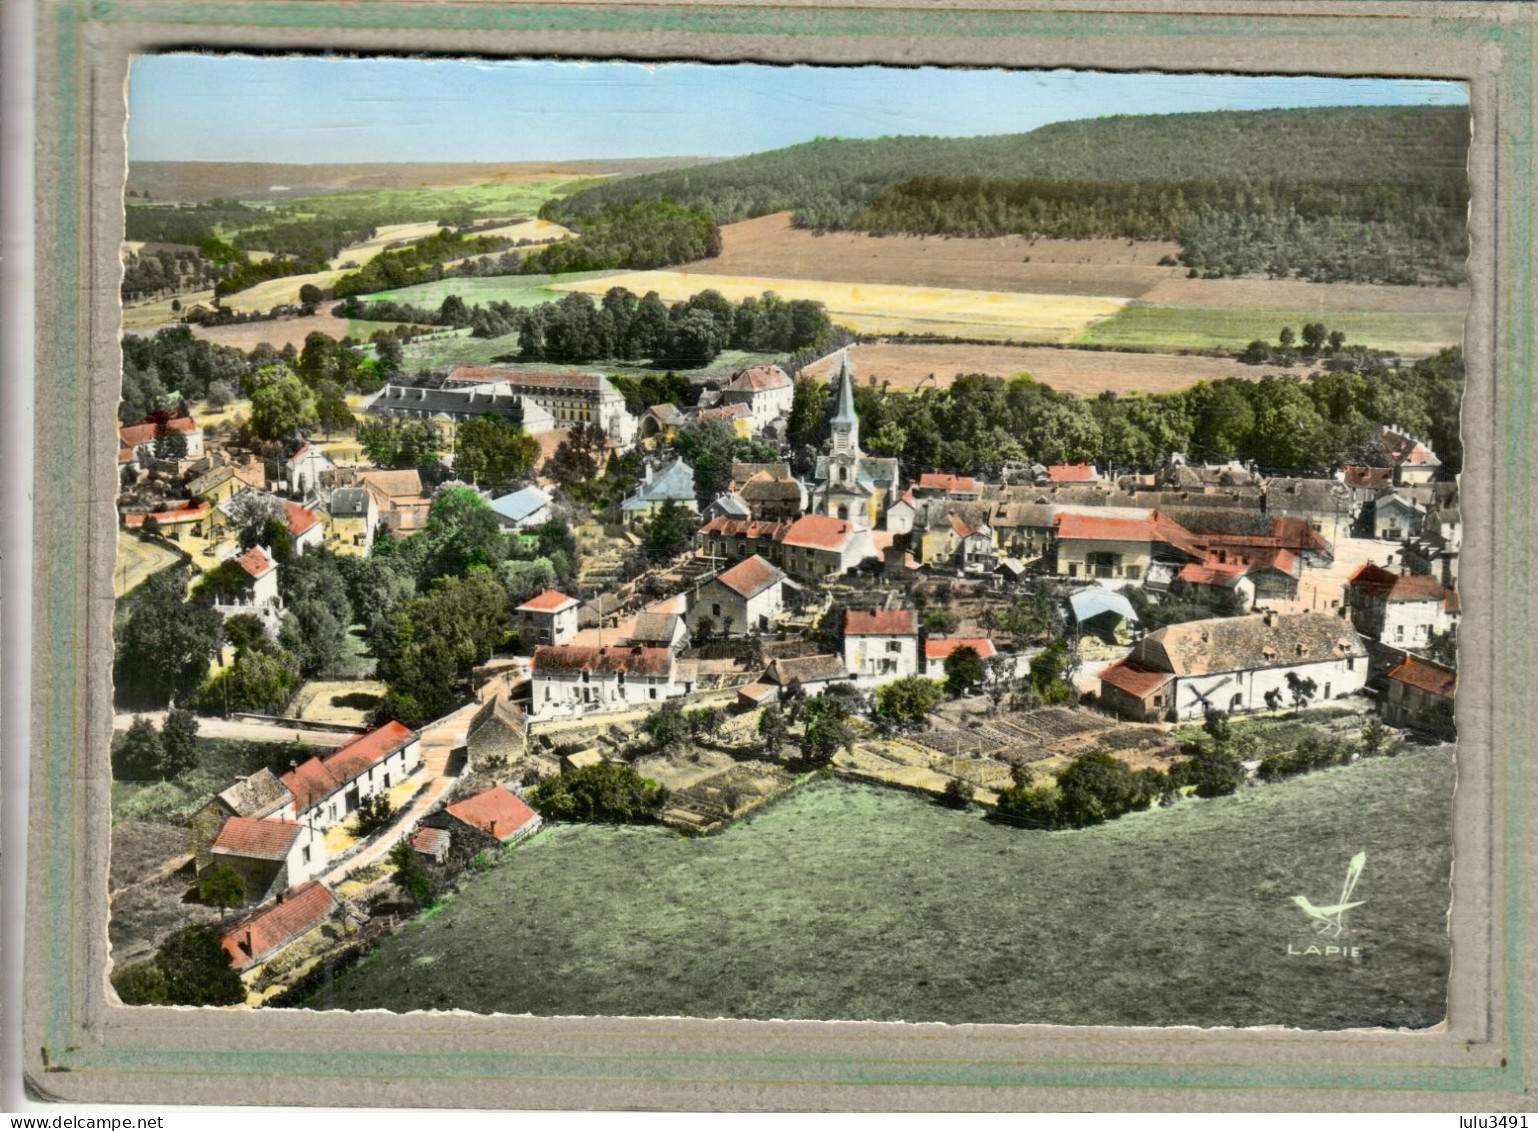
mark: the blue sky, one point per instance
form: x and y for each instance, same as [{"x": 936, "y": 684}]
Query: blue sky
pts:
[{"x": 313, "y": 110}]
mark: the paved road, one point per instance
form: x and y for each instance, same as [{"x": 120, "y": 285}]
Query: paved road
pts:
[
  {"x": 439, "y": 741},
  {"x": 230, "y": 728}
]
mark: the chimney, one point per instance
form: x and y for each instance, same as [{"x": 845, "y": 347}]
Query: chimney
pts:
[
  {"x": 1270, "y": 618},
  {"x": 280, "y": 897},
  {"x": 245, "y": 942},
  {"x": 493, "y": 829}
]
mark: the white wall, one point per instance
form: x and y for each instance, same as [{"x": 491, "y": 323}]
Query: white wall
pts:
[
  {"x": 1335, "y": 677},
  {"x": 877, "y": 659}
]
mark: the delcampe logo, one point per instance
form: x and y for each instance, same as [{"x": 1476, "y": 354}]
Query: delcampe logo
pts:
[{"x": 1329, "y": 921}]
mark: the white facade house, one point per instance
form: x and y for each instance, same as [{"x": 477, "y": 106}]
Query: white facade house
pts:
[
  {"x": 767, "y": 390},
  {"x": 303, "y": 469},
  {"x": 1234, "y": 664},
  {"x": 741, "y": 599},
  {"x": 881, "y": 644},
  {"x": 268, "y": 854},
  {"x": 258, "y": 596},
  {"x": 571, "y": 679},
  {"x": 548, "y": 618},
  {"x": 1404, "y": 610},
  {"x": 326, "y": 790}
]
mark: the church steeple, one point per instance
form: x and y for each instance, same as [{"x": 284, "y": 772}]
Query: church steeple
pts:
[{"x": 845, "y": 423}]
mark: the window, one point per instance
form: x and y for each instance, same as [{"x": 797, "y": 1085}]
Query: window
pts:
[
  {"x": 1399, "y": 632},
  {"x": 715, "y": 610},
  {"x": 1351, "y": 663},
  {"x": 651, "y": 693},
  {"x": 304, "y": 854},
  {"x": 894, "y": 646}
]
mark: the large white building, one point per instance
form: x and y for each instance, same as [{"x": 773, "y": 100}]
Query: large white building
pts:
[
  {"x": 569, "y": 398},
  {"x": 571, "y": 679},
  {"x": 1249, "y": 663}
]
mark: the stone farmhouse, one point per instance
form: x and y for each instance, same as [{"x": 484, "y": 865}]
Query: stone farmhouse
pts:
[
  {"x": 325, "y": 790},
  {"x": 1418, "y": 694},
  {"x": 573, "y": 679},
  {"x": 269, "y": 854},
  {"x": 275, "y": 925},
  {"x": 744, "y": 598},
  {"x": 1233, "y": 664}
]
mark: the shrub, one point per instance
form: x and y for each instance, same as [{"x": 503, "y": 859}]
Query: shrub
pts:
[
  {"x": 374, "y": 813},
  {"x": 410, "y": 876},
  {"x": 609, "y": 792},
  {"x": 141, "y": 983},
  {"x": 196, "y": 969},
  {"x": 958, "y": 794}
]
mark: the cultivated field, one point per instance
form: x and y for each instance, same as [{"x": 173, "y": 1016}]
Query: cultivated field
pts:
[
  {"x": 360, "y": 253},
  {"x": 879, "y": 308},
  {"x": 770, "y": 246},
  {"x": 350, "y": 702},
  {"x": 856, "y": 902},
  {"x": 200, "y": 180},
  {"x": 1202, "y": 327},
  {"x": 1085, "y": 373}
]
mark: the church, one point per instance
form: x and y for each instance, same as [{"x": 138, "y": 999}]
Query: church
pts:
[{"x": 847, "y": 483}]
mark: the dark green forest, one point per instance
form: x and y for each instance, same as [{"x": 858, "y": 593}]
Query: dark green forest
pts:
[{"x": 1325, "y": 231}]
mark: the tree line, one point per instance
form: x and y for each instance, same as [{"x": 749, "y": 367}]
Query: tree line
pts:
[
  {"x": 623, "y": 327},
  {"x": 1311, "y": 422}
]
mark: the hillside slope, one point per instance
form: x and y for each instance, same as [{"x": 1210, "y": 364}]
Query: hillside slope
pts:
[{"x": 829, "y": 182}]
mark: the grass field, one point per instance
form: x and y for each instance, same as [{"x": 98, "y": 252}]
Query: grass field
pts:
[
  {"x": 1164, "y": 326},
  {"x": 855, "y": 902},
  {"x": 879, "y": 308},
  {"x": 517, "y": 290}
]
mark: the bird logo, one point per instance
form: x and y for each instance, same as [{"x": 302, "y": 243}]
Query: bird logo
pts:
[{"x": 1328, "y": 920}]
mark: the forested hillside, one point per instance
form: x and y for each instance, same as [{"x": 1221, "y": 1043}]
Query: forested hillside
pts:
[
  {"x": 830, "y": 182},
  {"x": 1314, "y": 188}
]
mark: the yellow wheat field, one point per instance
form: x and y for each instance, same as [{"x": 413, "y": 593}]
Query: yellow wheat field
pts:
[{"x": 882, "y": 308}]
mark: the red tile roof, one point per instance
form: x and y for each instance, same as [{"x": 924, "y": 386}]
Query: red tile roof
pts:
[
  {"x": 177, "y": 514},
  {"x": 135, "y": 434},
  {"x": 428, "y": 840},
  {"x": 275, "y": 924},
  {"x": 260, "y": 837},
  {"x": 1223, "y": 574},
  {"x": 759, "y": 378},
  {"x": 1405, "y": 449},
  {"x": 956, "y": 484},
  {"x": 299, "y": 519},
  {"x": 750, "y": 577},
  {"x": 255, "y": 562},
  {"x": 818, "y": 532},
  {"x": 1072, "y": 473},
  {"x": 497, "y": 811},
  {"x": 1356, "y": 475},
  {"x": 317, "y": 778},
  {"x": 1109, "y": 528},
  {"x": 881, "y": 622},
  {"x": 1273, "y": 557},
  {"x": 746, "y": 528},
  {"x": 1426, "y": 675},
  {"x": 635, "y": 660},
  {"x": 550, "y": 601},
  {"x": 1133, "y": 678},
  {"x": 1376, "y": 581},
  {"x": 940, "y": 647}
]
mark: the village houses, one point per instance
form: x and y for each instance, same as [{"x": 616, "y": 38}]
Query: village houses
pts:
[
  {"x": 578, "y": 678},
  {"x": 547, "y": 618},
  {"x": 881, "y": 644},
  {"x": 1402, "y": 610},
  {"x": 743, "y": 598}
]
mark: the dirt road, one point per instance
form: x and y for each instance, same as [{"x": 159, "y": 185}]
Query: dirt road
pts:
[
  {"x": 231, "y": 728},
  {"x": 136, "y": 560}
]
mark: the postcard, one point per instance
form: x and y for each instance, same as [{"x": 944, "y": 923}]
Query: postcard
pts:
[{"x": 769, "y": 542}]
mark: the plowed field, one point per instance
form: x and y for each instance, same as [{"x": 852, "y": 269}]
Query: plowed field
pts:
[{"x": 1085, "y": 373}]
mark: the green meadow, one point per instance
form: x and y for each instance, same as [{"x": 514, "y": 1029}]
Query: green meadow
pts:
[
  {"x": 1151, "y": 325},
  {"x": 847, "y": 901}
]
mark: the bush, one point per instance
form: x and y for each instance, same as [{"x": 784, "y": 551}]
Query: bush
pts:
[
  {"x": 1212, "y": 772},
  {"x": 141, "y": 983},
  {"x": 196, "y": 969},
  {"x": 609, "y": 792},
  {"x": 373, "y": 813},
  {"x": 410, "y": 875},
  {"x": 958, "y": 794}
]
